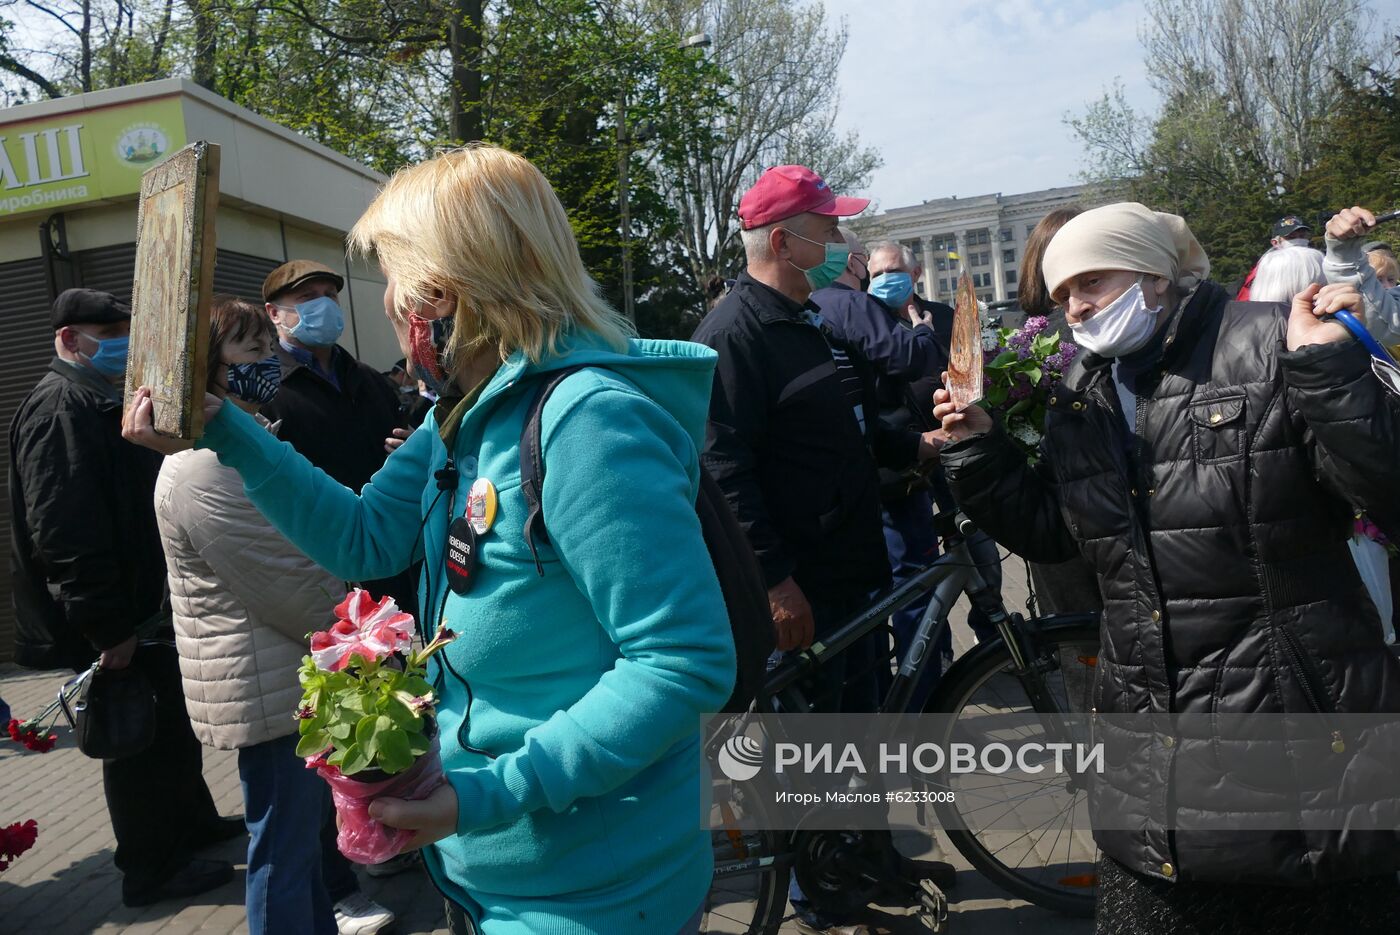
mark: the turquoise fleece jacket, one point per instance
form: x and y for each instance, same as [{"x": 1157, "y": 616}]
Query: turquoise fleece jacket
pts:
[{"x": 585, "y": 685}]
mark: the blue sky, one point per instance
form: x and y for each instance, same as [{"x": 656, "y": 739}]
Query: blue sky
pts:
[{"x": 966, "y": 98}]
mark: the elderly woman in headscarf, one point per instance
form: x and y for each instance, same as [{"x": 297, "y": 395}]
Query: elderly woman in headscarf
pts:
[{"x": 1204, "y": 455}]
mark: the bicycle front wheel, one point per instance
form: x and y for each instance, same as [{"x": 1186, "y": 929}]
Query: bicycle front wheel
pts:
[{"x": 1030, "y": 836}]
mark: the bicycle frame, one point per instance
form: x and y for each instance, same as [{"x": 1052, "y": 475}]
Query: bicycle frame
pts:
[{"x": 949, "y": 576}]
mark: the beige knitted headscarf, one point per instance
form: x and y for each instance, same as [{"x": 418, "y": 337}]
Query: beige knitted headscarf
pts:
[{"x": 1127, "y": 236}]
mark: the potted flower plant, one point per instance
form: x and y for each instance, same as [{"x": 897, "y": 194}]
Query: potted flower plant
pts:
[
  {"x": 366, "y": 719},
  {"x": 1021, "y": 365}
]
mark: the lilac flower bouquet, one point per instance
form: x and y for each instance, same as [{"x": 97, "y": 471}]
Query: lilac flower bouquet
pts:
[{"x": 1021, "y": 365}]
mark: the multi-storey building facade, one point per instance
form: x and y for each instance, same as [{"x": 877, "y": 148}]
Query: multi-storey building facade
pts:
[{"x": 985, "y": 234}]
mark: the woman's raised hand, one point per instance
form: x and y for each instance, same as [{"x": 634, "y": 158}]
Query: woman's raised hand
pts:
[
  {"x": 959, "y": 425},
  {"x": 1304, "y": 320},
  {"x": 138, "y": 425}
]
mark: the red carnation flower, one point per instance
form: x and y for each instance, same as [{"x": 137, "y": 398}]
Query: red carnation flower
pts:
[{"x": 16, "y": 839}]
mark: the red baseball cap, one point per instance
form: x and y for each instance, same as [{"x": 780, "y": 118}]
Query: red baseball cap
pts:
[{"x": 785, "y": 191}]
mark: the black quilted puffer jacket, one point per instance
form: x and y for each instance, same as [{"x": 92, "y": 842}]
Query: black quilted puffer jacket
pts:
[{"x": 1218, "y": 531}]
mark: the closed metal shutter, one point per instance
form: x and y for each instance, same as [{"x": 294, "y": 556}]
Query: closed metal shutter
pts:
[
  {"x": 111, "y": 269},
  {"x": 107, "y": 269},
  {"x": 25, "y": 353},
  {"x": 241, "y": 274}
]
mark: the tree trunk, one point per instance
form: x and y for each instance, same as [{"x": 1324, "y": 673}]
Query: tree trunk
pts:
[
  {"x": 205, "y": 43},
  {"x": 464, "y": 43},
  {"x": 85, "y": 54},
  {"x": 153, "y": 71}
]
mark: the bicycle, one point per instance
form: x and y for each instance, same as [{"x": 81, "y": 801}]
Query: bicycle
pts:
[{"x": 1041, "y": 667}]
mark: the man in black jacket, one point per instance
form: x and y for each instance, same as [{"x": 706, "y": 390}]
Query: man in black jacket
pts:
[
  {"x": 337, "y": 411},
  {"x": 341, "y": 413},
  {"x": 89, "y": 581},
  {"x": 794, "y": 419},
  {"x": 789, "y": 425}
]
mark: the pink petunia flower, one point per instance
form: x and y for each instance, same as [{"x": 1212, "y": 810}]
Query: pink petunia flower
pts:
[{"x": 364, "y": 628}]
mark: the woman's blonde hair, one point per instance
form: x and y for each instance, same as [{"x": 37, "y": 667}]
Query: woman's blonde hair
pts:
[
  {"x": 1384, "y": 264},
  {"x": 483, "y": 224}
]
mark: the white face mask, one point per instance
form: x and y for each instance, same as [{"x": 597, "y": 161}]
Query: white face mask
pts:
[{"x": 1126, "y": 325}]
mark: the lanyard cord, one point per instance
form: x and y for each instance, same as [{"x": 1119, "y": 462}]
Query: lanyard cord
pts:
[{"x": 447, "y": 479}]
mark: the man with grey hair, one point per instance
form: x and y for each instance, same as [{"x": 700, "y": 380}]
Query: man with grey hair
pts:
[
  {"x": 794, "y": 436},
  {"x": 898, "y": 348},
  {"x": 792, "y": 421}
]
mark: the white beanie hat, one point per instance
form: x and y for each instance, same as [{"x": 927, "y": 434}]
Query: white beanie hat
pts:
[{"x": 1126, "y": 236}]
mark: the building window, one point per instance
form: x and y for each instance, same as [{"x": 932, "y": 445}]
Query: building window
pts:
[
  {"x": 1008, "y": 256},
  {"x": 1010, "y": 276},
  {"x": 982, "y": 236},
  {"x": 942, "y": 285},
  {"x": 919, "y": 287},
  {"x": 1011, "y": 293},
  {"x": 1006, "y": 233},
  {"x": 1030, "y": 229},
  {"x": 942, "y": 264}
]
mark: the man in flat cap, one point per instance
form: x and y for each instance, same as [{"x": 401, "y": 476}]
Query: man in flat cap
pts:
[
  {"x": 89, "y": 582},
  {"x": 344, "y": 417},
  {"x": 335, "y": 410}
]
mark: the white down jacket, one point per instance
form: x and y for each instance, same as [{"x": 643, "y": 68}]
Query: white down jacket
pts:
[{"x": 244, "y": 599}]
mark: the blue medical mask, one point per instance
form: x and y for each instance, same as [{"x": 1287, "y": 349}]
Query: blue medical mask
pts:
[
  {"x": 256, "y": 383},
  {"x": 829, "y": 270},
  {"x": 110, "y": 359},
  {"x": 322, "y": 322},
  {"x": 893, "y": 289}
]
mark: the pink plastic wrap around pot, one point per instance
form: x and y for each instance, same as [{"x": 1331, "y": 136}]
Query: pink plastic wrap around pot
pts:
[{"x": 361, "y": 838}]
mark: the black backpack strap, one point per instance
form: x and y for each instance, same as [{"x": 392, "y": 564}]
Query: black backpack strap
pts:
[{"x": 532, "y": 462}]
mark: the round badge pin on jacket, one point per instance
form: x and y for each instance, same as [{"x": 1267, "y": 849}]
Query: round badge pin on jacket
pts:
[{"x": 481, "y": 505}]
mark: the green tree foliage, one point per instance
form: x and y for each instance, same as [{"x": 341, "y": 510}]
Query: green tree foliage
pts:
[
  {"x": 1360, "y": 160},
  {"x": 778, "y": 107},
  {"x": 574, "y": 85}
]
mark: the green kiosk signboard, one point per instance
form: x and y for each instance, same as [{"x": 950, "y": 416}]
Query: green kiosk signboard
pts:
[{"x": 85, "y": 155}]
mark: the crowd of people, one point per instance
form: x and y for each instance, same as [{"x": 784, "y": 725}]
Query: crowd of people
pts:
[{"x": 1204, "y": 461}]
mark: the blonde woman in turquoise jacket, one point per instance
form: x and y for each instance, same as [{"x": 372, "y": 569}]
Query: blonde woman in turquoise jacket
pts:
[{"x": 571, "y": 700}]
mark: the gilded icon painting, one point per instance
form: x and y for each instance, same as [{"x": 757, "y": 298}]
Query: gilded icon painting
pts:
[{"x": 175, "y": 249}]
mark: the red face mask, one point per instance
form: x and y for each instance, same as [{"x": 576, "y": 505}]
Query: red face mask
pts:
[{"x": 427, "y": 338}]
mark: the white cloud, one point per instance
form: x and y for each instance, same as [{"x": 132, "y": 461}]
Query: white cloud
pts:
[{"x": 965, "y": 98}]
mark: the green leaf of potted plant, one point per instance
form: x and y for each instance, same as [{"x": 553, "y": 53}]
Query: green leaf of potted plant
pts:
[{"x": 366, "y": 719}]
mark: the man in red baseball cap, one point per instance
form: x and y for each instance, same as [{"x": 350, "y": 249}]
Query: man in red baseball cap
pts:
[
  {"x": 788, "y": 226},
  {"x": 794, "y": 432},
  {"x": 788, "y": 223}
]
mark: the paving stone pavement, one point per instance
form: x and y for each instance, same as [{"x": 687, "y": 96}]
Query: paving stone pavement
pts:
[{"x": 67, "y": 885}]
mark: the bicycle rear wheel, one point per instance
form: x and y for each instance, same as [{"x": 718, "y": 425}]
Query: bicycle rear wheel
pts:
[
  {"x": 1049, "y": 858},
  {"x": 749, "y": 891}
]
